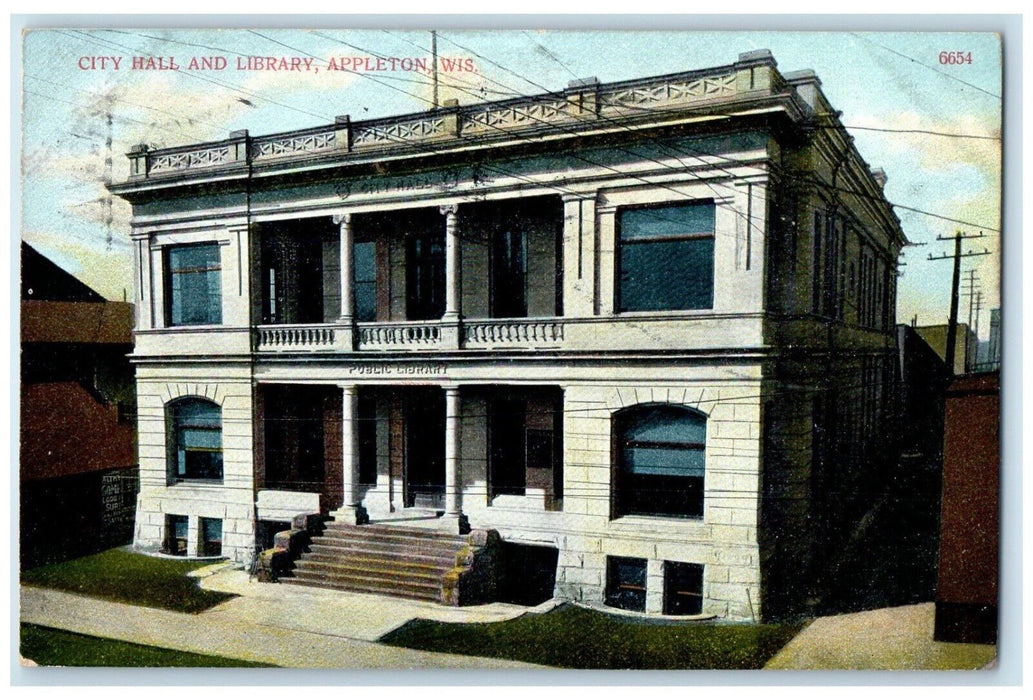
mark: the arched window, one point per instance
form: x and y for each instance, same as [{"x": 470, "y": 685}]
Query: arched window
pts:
[
  {"x": 660, "y": 461},
  {"x": 195, "y": 440}
]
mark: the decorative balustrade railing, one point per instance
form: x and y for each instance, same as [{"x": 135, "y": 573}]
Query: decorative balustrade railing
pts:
[
  {"x": 512, "y": 332},
  {"x": 578, "y": 103},
  {"x": 402, "y": 334},
  {"x": 295, "y": 337},
  {"x": 296, "y": 144},
  {"x": 413, "y": 335},
  {"x": 668, "y": 93}
]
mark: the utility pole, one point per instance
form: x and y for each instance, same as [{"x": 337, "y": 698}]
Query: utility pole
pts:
[
  {"x": 971, "y": 281},
  {"x": 979, "y": 307},
  {"x": 971, "y": 343},
  {"x": 952, "y": 327}
]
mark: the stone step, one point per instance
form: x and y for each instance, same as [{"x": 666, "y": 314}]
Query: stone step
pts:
[
  {"x": 379, "y": 559},
  {"x": 391, "y": 534},
  {"x": 359, "y": 555},
  {"x": 401, "y": 549},
  {"x": 389, "y": 589},
  {"x": 370, "y": 567}
]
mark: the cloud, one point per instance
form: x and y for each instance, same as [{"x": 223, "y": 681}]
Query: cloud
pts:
[{"x": 937, "y": 153}]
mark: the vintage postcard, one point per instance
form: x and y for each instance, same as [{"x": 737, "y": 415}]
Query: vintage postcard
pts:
[{"x": 510, "y": 349}]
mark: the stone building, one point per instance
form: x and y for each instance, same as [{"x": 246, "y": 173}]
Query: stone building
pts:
[{"x": 645, "y": 326}]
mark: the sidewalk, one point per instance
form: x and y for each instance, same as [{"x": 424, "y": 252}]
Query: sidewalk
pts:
[
  {"x": 272, "y": 623},
  {"x": 888, "y": 639}
]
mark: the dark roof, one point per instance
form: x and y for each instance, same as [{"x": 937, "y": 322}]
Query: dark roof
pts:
[
  {"x": 66, "y": 431},
  {"x": 44, "y": 279}
]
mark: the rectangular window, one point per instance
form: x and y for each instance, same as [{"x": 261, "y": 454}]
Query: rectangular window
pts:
[
  {"x": 816, "y": 268},
  {"x": 425, "y": 277},
  {"x": 176, "y": 529},
  {"x": 509, "y": 274},
  {"x": 626, "y": 583},
  {"x": 683, "y": 588},
  {"x": 365, "y": 263},
  {"x": 211, "y": 537},
  {"x": 666, "y": 258},
  {"x": 193, "y": 285}
]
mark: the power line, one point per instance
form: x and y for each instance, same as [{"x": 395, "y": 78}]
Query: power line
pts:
[
  {"x": 929, "y": 132},
  {"x": 231, "y": 87},
  {"x": 120, "y": 118},
  {"x": 924, "y": 65},
  {"x": 122, "y": 100}
]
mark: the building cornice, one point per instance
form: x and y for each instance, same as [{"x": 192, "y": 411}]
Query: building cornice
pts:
[{"x": 751, "y": 87}]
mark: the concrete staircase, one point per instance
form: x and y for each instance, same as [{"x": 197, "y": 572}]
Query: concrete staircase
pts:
[{"x": 405, "y": 562}]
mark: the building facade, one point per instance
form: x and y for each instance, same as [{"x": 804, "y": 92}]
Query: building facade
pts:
[
  {"x": 77, "y": 447},
  {"x": 649, "y": 325}
]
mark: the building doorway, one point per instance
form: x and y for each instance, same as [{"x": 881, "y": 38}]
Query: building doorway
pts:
[{"x": 425, "y": 448}]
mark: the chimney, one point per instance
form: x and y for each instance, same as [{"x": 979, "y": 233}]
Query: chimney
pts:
[{"x": 880, "y": 176}]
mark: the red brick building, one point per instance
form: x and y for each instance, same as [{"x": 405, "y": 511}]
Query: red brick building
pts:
[{"x": 966, "y": 590}]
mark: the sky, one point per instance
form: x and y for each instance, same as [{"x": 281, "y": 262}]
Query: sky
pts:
[{"x": 934, "y": 127}]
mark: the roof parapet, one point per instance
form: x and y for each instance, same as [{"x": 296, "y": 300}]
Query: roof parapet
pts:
[
  {"x": 583, "y": 82},
  {"x": 585, "y": 100},
  {"x": 807, "y": 85}
]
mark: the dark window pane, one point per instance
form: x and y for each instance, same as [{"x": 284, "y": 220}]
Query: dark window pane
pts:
[
  {"x": 673, "y": 461},
  {"x": 683, "y": 588},
  {"x": 626, "y": 583},
  {"x": 194, "y": 293},
  {"x": 211, "y": 534},
  {"x": 665, "y": 424},
  {"x": 365, "y": 261},
  {"x": 509, "y": 274},
  {"x": 176, "y": 530},
  {"x": 425, "y": 278},
  {"x": 665, "y": 222},
  {"x": 667, "y": 275}
]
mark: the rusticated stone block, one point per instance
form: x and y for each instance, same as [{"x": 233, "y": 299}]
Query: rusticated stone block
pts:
[
  {"x": 272, "y": 563},
  {"x": 475, "y": 577}
]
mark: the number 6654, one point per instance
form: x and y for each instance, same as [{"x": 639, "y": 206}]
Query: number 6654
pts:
[{"x": 955, "y": 58}]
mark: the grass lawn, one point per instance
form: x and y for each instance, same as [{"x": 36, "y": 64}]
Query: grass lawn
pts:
[
  {"x": 128, "y": 577},
  {"x": 573, "y": 637},
  {"x": 51, "y": 647}
]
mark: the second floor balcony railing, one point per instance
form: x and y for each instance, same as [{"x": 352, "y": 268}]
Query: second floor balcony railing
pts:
[
  {"x": 478, "y": 334},
  {"x": 291, "y": 338},
  {"x": 399, "y": 335}
]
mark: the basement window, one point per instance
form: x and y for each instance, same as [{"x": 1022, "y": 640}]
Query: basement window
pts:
[
  {"x": 683, "y": 588},
  {"x": 176, "y": 529},
  {"x": 626, "y": 583},
  {"x": 211, "y": 537}
]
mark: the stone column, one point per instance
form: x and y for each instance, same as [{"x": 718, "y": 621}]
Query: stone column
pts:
[
  {"x": 453, "y": 299},
  {"x": 347, "y": 317},
  {"x": 453, "y": 473},
  {"x": 351, "y": 511}
]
